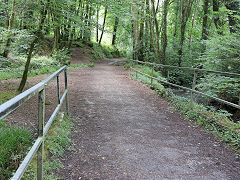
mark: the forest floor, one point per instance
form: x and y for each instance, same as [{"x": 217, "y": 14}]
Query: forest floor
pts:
[{"x": 123, "y": 130}]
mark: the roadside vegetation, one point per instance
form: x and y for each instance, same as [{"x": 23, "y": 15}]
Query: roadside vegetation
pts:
[
  {"x": 15, "y": 141},
  {"x": 217, "y": 121},
  {"x": 58, "y": 140}
]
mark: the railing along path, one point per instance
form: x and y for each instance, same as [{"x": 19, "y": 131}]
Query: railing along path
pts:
[
  {"x": 192, "y": 90},
  {"x": 38, "y": 147}
]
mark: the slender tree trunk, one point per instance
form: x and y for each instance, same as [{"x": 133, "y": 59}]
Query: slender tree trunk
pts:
[
  {"x": 104, "y": 21},
  {"x": 97, "y": 28},
  {"x": 193, "y": 24},
  {"x": 164, "y": 31},
  {"x": 205, "y": 24},
  {"x": 186, "y": 6},
  {"x": 135, "y": 31},
  {"x": 85, "y": 34},
  {"x": 7, "y": 17},
  {"x": 233, "y": 17},
  {"x": 157, "y": 6},
  {"x": 56, "y": 38},
  {"x": 10, "y": 24},
  {"x": 176, "y": 19},
  {"x": 218, "y": 23},
  {"x": 29, "y": 57},
  {"x": 115, "y": 30},
  {"x": 157, "y": 31},
  {"x": 150, "y": 26},
  {"x": 141, "y": 33}
]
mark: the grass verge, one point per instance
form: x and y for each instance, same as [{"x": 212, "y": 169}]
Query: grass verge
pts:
[
  {"x": 56, "y": 142},
  {"x": 13, "y": 144}
]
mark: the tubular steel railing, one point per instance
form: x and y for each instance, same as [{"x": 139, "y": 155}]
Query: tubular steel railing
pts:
[
  {"x": 17, "y": 101},
  {"x": 192, "y": 90}
]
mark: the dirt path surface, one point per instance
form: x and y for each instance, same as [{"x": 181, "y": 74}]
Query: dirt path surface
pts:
[{"x": 122, "y": 130}]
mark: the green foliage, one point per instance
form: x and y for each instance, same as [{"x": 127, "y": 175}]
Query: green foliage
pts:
[
  {"x": 62, "y": 56},
  {"x": 104, "y": 51},
  {"x": 180, "y": 77},
  {"x": 5, "y": 96},
  {"x": 222, "y": 53},
  {"x": 57, "y": 141},
  {"x": 226, "y": 88},
  {"x": 39, "y": 65},
  {"x": 4, "y": 62},
  {"x": 13, "y": 144},
  {"x": 97, "y": 52}
]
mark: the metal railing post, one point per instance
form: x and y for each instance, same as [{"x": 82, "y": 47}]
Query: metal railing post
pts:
[
  {"x": 66, "y": 87},
  {"x": 58, "y": 90},
  {"x": 41, "y": 116},
  {"x": 136, "y": 75},
  {"x": 168, "y": 76},
  {"x": 193, "y": 87},
  {"x": 152, "y": 75},
  {"x": 239, "y": 100}
]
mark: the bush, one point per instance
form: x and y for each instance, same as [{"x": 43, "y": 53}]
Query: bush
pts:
[
  {"x": 226, "y": 88},
  {"x": 62, "y": 56},
  {"x": 14, "y": 141},
  {"x": 223, "y": 53},
  {"x": 4, "y": 62}
]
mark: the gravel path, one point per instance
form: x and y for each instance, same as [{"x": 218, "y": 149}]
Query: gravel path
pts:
[{"x": 122, "y": 130}]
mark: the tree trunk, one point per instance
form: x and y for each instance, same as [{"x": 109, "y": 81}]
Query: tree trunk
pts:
[
  {"x": 115, "y": 30},
  {"x": 193, "y": 24},
  {"x": 56, "y": 38},
  {"x": 205, "y": 24},
  {"x": 186, "y": 6},
  {"x": 176, "y": 20},
  {"x": 135, "y": 31},
  {"x": 7, "y": 17},
  {"x": 85, "y": 33},
  {"x": 97, "y": 28},
  {"x": 157, "y": 30},
  {"x": 218, "y": 23},
  {"x": 234, "y": 22},
  {"x": 150, "y": 26},
  {"x": 141, "y": 33},
  {"x": 10, "y": 24},
  {"x": 104, "y": 21},
  {"x": 29, "y": 57},
  {"x": 164, "y": 31}
]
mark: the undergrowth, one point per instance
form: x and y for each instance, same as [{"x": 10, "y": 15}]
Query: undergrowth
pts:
[
  {"x": 215, "y": 121},
  {"x": 98, "y": 52},
  {"x": 14, "y": 141},
  {"x": 39, "y": 65},
  {"x": 56, "y": 142}
]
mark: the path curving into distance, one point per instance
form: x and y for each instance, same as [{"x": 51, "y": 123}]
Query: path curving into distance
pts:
[{"x": 122, "y": 130}]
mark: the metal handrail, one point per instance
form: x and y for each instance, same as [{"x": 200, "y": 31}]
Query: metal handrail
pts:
[
  {"x": 190, "y": 68},
  {"x": 195, "y": 70},
  {"x": 38, "y": 147}
]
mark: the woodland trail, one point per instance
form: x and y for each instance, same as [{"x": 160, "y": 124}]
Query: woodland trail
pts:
[{"x": 122, "y": 130}]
